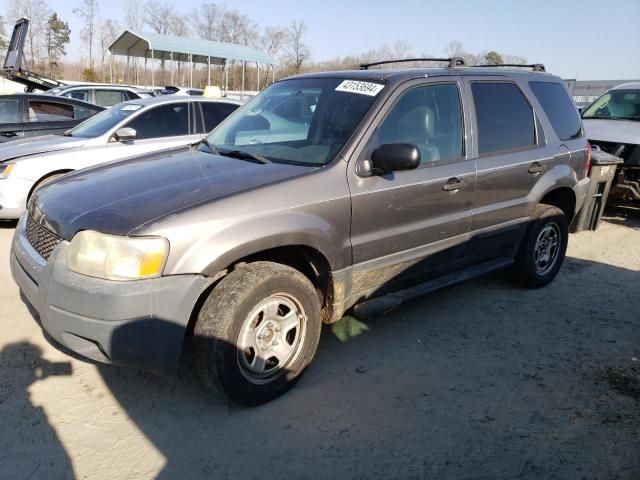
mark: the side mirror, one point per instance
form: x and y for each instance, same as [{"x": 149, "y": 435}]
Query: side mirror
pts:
[
  {"x": 393, "y": 157},
  {"x": 125, "y": 134}
]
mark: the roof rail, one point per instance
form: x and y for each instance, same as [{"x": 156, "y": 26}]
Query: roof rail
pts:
[
  {"x": 536, "y": 67},
  {"x": 453, "y": 62}
]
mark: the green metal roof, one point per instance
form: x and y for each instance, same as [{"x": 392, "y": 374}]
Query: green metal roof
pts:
[{"x": 163, "y": 46}]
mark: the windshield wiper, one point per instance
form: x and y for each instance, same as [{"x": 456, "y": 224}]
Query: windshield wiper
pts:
[
  {"x": 212, "y": 148},
  {"x": 243, "y": 155}
]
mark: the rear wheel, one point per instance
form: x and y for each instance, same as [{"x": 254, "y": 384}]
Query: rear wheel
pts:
[
  {"x": 257, "y": 332},
  {"x": 543, "y": 248}
]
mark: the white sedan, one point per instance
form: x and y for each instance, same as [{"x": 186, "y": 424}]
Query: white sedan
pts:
[{"x": 125, "y": 130}]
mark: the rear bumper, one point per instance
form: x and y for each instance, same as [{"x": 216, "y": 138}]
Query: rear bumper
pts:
[
  {"x": 581, "y": 190},
  {"x": 13, "y": 197},
  {"x": 140, "y": 323}
]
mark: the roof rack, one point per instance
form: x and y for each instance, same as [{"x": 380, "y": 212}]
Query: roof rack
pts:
[
  {"x": 453, "y": 62},
  {"x": 536, "y": 67}
]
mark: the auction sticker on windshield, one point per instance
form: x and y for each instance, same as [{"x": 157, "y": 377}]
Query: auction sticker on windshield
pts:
[
  {"x": 363, "y": 88},
  {"x": 132, "y": 107}
]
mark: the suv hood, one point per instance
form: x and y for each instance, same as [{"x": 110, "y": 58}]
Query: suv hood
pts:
[
  {"x": 34, "y": 146},
  {"x": 118, "y": 197},
  {"x": 617, "y": 131}
]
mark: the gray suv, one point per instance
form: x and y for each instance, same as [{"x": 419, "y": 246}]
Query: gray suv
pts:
[{"x": 325, "y": 193}]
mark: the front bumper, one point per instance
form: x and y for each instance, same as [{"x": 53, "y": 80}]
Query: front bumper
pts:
[
  {"x": 13, "y": 197},
  {"x": 140, "y": 323}
]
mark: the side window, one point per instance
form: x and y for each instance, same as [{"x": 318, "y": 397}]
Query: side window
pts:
[
  {"x": 431, "y": 118},
  {"x": 505, "y": 118},
  {"x": 78, "y": 95},
  {"x": 214, "y": 113},
  {"x": 163, "y": 121},
  {"x": 108, "y": 98},
  {"x": 45, "y": 111},
  {"x": 559, "y": 109},
  {"x": 9, "y": 110}
]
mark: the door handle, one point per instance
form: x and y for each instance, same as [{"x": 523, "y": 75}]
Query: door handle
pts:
[
  {"x": 535, "y": 168},
  {"x": 9, "y": 134},
  {"x": 454, "y": 184}
]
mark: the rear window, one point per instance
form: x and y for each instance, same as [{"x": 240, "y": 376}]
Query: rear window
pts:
[
  {"x": 559, "y": 109},
  {"x": 505, "y": 118},
  {"x": 108, "y": 98}
]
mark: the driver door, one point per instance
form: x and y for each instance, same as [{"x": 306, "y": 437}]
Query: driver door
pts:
[{"x": 410, "y": 224}]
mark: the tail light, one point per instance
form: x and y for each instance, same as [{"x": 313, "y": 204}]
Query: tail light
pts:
[{"x": 588, "y": 162}]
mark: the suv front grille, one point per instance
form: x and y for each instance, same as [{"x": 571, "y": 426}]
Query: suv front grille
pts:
[{"x": 42, "y": 240}]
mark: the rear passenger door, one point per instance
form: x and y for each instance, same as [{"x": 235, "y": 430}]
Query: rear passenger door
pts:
[
  {"x": 108, "y": 98},
  {"x": 511, "y": 155},
  {"x": 411, "y": 224},
  {"x": 48, "y": 116}
]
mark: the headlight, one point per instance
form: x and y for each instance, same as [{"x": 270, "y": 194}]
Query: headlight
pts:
[
  {"x": 115, "y": 257},
  {"x": 6, "y": 169}
]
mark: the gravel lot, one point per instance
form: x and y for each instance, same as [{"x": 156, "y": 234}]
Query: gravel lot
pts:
[{"x": 483, "y": 380}]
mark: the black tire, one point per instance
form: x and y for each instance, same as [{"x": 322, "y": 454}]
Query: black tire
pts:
[
  {"x": 529, "y": 269},
  {"x": 226, "y": 317}
]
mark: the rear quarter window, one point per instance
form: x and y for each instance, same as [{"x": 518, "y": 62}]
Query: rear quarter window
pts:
[{"x": 559, "y": 109}]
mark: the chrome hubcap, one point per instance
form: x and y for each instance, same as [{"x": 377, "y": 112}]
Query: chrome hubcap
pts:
[
  {"x": 545, "y": 252},
  {"x": 271, "y": 337}
]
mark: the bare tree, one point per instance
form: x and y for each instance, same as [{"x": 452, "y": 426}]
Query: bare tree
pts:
[
  {"x": 273, "y": 39},
  {"x": 401, "y": 49},
  {"x": 88, "y": 12},
  {"x": 37, "y": 11},
  {"x": 158, "y": 16},
  {"x": 134, "y": 20},
  {"x": 206, "y": 18},
  {"x": 235, "y": 27},
  {"x": 297, "y": 50},
  {"x": 180, "y": 28},
  {"x": 109, "y": 31}
]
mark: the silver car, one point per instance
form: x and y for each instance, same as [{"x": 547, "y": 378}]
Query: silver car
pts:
[
  {"x": 103, "y": 95},
  {"x": 126, "y": 130}
]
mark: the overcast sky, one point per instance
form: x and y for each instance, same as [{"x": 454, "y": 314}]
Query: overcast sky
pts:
[{"x": 588, "y": 40}]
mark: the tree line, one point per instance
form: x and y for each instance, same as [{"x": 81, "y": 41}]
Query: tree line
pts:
[{"x": 49, "y": 36}]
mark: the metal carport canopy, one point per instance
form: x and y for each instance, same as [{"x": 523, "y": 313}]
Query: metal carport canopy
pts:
[{"x": 184, "y": 49}]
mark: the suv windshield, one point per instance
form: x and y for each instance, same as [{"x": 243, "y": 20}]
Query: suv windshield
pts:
[
  {"x": 300, "y": 121},
  {"x": 616, "y": 105},
  {"x": 104, "y": 121}
]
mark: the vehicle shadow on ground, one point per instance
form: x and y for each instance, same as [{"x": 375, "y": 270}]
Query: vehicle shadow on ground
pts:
[
  {"x": 483, "y": 379},
  {"x": 21, "y": 366}
]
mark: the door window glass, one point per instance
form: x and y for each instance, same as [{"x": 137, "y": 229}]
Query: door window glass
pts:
[
  {"x": 46, "y": 111},
  {"x": 163, "y": 121},
  {"x": 214, "y": 113},
  {"x": 108, "y": 98},
  {"x": 9, "y": 110},
  {"x": 429, "y": 117},
  {"x": 78, "y": 95},
  {"x": 505, "y": 118}
]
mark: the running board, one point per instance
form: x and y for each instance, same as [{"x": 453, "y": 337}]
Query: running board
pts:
[{"x": 391, "y": 301}]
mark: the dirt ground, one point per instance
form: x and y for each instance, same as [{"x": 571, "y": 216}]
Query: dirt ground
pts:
[{"x": 484, "y": 380}]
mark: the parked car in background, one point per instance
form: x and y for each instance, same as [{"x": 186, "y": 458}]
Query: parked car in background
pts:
[
  {"x": 192, "y": 92},
  {"x": 25, "y": 115},
  {"x": 371, "y": 188},
  {"x": 612, "y": 124},
  {"x": 129, "y": 129},
  {"x": 103, "y": 95}
]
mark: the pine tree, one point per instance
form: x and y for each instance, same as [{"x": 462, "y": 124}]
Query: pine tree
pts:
[{"x": 57, "y": 38}]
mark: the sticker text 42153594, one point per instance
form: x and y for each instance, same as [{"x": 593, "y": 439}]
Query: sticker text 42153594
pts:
[{"x": 362, "y": 88}]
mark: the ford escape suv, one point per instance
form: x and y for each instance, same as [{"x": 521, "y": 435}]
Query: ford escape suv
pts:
[{"x": 326, "y": 192}]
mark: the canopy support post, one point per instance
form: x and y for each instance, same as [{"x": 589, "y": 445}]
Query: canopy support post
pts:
[
  {"x": 243, "y": 64},
  {"x": 153, "y": 78},
  {"x": 190, "y": 70},
  {"x": 258, "y": 77},
  {"x": 273, "y": 68},
  {"x": 173, "y": 68},
  {"x": 226, "y": 76},
  {"x": 209, "y": 71}
]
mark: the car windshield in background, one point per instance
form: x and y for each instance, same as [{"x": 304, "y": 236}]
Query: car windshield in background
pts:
[
  {"x": 300, "y": 121},
  {"x": 616, "y": 105},
  {"x": 104, "y": 121}
]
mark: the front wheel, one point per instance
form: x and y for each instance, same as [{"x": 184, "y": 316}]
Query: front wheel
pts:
[
  {"x": 257, "y": 332},
  {"x": 543, "y": 247}
]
